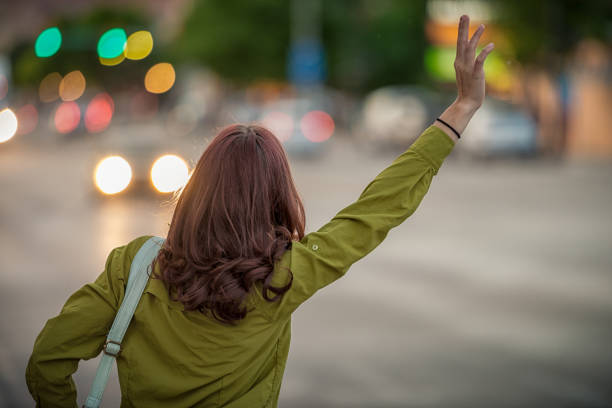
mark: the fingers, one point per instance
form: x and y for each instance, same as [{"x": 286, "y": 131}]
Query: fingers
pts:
[
  {"x": 481, "y": 58},
  {"x": 475, "y": 38},
  {"x": 462, "y": 35}
]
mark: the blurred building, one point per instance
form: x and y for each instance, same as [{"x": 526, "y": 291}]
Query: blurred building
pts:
[
  {"x": 589, "y": 131},
  {"x": 573, "y": 109}
]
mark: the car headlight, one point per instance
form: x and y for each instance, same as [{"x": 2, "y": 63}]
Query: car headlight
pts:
[
  {"x": 113, "y": 174},
  {"x": 169, "y": 173}
]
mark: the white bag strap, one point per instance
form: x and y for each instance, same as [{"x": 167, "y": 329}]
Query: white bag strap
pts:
[{"x": 112, "y": 347}]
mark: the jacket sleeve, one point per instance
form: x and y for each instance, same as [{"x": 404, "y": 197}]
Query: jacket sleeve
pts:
[
  {"x": 325, "y": 255},
  {"x": 78, "y": 332}
]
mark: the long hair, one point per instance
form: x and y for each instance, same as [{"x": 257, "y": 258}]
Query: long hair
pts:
[{"x": 235, "y": 217}]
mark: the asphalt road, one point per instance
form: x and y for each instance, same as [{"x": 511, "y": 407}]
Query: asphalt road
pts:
[{"x": 496, "y": 292}]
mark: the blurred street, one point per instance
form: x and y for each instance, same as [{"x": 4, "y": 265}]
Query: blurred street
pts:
[{"x": 496, "y": 292}]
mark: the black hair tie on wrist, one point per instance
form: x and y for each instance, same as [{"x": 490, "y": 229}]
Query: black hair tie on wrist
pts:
[{"x": 450, "y": 127}]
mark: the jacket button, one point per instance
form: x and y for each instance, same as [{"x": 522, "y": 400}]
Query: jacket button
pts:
[{"x": 315, "y": 247}]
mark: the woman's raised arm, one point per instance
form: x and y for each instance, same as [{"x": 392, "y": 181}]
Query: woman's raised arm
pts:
[
  {"x": 470, "y": 80},
  {"x": 325, "y": 255}
]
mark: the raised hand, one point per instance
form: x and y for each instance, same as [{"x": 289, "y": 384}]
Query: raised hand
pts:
[
  {"x": 470, "y": 80},
  {"x": 469, "y": 72}
]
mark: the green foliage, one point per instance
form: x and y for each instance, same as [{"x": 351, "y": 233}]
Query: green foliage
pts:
[
  {"x": 541, "y": 31},
  {"x": 367, "y": 43},
  {"x": 241, "y": 40},
  {"x": 374, "y": 43}
]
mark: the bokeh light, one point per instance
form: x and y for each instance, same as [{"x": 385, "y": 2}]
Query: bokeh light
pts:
[
  {"x": 498, "y": 74},
  {"x": 110, "y": 62},
  {"x": 112, "y": 43},
  {"x": 139, "y": 45},
  {"x": 67, "y": 117},
  {"x": 160, "y": 78},
  {"x": 280, "y": 123},
  {"x": 317, "y": 126},
  {"x": 3, "y": 86},
  {"x": 27, "y": 117},
  {"x": 169, "y": 173},
  {"x": 48, "y": 42},
  {"x": 48, "y": 90},
  {"x": 72, "y": 86},
  {"x": 439, "y": 62},
  {"x": 8, "y": 124},
  {"x": 99, "y": 113},
  {"x": 112, "y": 175}
]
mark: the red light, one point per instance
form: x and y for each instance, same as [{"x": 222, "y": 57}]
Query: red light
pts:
[
  {"x": 67, "y": 117},
  {"x": 317, "y": 126},
  {"x": 280, "y": 123},
  {"x": 27, "y": 117},
  {"x": 99, "y": 113}
]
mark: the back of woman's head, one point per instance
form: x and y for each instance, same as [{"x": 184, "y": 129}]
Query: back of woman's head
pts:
[{"x": 233, "y": 220}]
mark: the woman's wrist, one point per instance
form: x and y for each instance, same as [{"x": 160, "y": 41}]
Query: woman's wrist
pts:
[{"x": 457, "y": 115}]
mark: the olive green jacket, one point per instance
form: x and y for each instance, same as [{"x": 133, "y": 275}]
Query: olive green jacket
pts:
[{"x": 176, "y": 358}]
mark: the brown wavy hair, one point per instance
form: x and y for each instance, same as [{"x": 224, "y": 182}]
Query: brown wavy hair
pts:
[{"x": 235, "y": 217}]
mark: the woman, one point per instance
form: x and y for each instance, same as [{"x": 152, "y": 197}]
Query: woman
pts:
[{"x": 213, "y": 326}]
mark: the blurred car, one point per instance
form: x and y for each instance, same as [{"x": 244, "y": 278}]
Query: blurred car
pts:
[
  {"x": 140, "y": 160},
  {"x": 393, "y": 117},
  {"x": 500, "y": 129},
  {"x": 302, "y": 123}
]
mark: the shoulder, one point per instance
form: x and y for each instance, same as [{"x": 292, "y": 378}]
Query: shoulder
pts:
[
  {"x": 134, "y": 245},
  {"x": 120, "y": 258}
]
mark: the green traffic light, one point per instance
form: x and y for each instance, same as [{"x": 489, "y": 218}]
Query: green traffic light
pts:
[
  {"x": 112, "y": 43},
  {"x": 48, "y": 42}
]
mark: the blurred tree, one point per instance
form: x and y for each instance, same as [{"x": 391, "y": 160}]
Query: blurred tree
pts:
[
  {"x": 241, "y": 40},
  {"x": 374, "y": 43},
  {"x": 543, "y": 32},
  {"x": 367, "y": 43}
]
